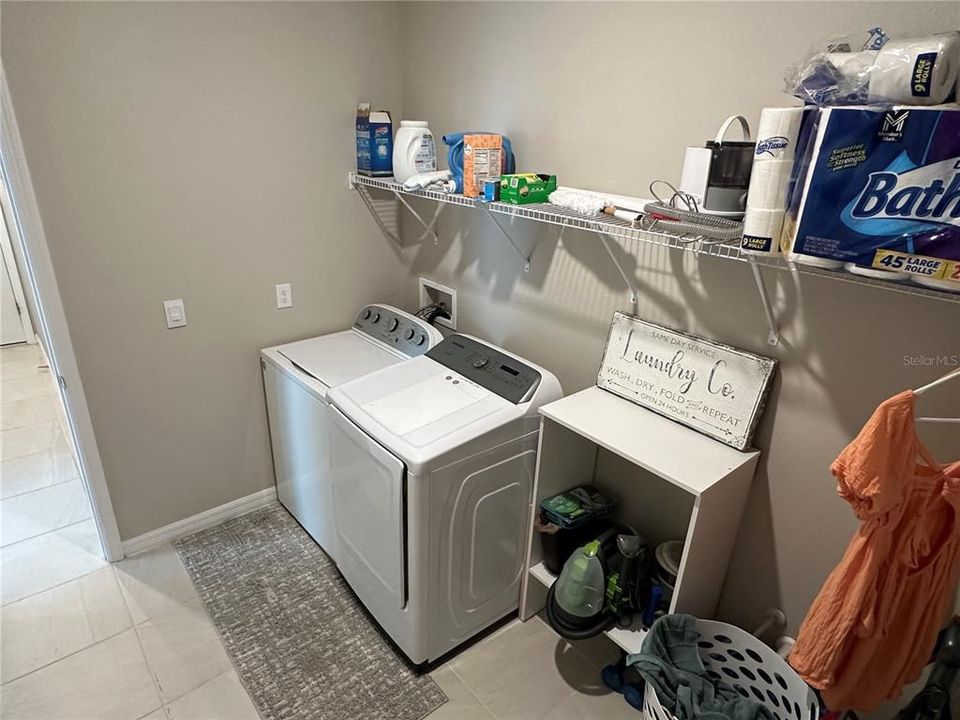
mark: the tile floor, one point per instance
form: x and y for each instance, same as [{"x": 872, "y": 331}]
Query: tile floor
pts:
[{"x": 82, "y": 639}]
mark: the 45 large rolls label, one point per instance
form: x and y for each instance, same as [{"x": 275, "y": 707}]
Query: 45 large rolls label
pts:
[{"x": 928, "y": 267}]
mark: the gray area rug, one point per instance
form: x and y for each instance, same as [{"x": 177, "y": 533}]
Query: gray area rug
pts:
[{"x": 300, "y": 640}]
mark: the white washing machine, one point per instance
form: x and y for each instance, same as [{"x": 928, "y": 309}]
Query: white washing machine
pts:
[
  {"x": 432, "y": 466},
  {"x": 296, "y": 379}
]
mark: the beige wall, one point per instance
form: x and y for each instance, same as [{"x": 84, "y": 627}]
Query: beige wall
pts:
[
  {"x": 199, "y": 151},
  {"x": 607, "y": 96}
]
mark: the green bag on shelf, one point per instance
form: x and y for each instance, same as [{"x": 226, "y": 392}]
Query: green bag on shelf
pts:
[{"x": 575, "y": 507}]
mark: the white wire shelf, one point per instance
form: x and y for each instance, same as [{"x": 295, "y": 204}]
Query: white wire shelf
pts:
[
  {"x": 390, "y": 185},
  {"x": 608, "y": 227}
]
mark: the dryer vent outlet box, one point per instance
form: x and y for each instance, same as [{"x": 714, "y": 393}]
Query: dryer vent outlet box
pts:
[{"x": 433, "y": 293}]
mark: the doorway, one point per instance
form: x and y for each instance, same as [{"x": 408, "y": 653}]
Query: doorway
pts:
[
  {"x": 15, "y": 322},
  {"x": 55, "y": 481}
]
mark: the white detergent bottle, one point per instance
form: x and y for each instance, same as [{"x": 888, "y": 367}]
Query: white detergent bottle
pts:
[{"x": 414, "y": 150}]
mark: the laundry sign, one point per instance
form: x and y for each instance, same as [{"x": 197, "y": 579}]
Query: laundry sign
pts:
[{"x": 715, "y": 389}]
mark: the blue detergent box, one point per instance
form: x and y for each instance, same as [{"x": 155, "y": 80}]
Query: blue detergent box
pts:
[
  {"x": 374, "y": 142},
  {"x": 882, "y": 190}
]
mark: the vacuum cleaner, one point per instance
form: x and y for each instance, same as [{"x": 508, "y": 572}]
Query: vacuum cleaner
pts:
[
  {"x": 599, "y": 586},
  {"x": 933, "y": 702}
]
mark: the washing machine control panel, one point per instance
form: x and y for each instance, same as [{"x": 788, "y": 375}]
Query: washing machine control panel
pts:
[
  {"x": 387, "y": 326},
  {"x": 498, "y": 372}
]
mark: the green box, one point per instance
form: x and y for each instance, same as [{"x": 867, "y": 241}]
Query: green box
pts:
[{"x": 524, "y": 188}]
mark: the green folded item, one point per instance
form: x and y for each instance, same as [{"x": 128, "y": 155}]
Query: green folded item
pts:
[{"x": 577, "y": 506}]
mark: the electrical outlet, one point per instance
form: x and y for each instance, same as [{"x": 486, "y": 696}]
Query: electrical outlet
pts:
[
  {"x": 175, "y": 313},
  {"x": 433, "y": 293},
  {"x": 284, "y": 296}
]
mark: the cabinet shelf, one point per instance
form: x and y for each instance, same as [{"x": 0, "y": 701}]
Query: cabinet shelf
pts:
[
  {"x": 671, "y": 483},
  {"x": 629, "y": 639}
]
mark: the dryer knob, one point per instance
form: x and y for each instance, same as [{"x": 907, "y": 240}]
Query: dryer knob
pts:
[
  {"x": 394, "y": 324},
  {"x": 421, "y": 340},
  {"x": 365, "y": 314},
  {"x": 409, "y": 334},
  {"x": 376, "y": 317},
  {"x": 480, "y": 362}
]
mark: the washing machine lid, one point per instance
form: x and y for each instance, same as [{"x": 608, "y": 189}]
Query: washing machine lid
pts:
[
  {"x": 422, "y": 409},
  {"x": 381, "y": 336},
  {"x": 338, "y": 358}
]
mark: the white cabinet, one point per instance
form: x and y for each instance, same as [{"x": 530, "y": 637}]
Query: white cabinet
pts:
[{"x": 671, "y": 483}]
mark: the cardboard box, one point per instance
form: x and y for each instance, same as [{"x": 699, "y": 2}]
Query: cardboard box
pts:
[
  {"x": 482, "y": 161},
  {"x": 525, "y": 188},
  {"x": 374, "y": 142}
]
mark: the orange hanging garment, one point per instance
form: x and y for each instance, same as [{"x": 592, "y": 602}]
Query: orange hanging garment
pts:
[{"x": 874, "y": 624}]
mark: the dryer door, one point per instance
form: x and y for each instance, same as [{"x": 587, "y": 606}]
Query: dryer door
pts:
[{"x": 368, "y": 501}]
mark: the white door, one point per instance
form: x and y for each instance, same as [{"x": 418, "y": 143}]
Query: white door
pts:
[
  {"x": 298, "y": 433},
  {"x": 11, "y": 327},
  {"x": 368, "y": 499}
]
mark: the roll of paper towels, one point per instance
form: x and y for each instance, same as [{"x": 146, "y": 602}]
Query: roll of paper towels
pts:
[
  {"x": 917, "y": 72},
  {"x": 768, "y": 184},
  {"x": 777, "y": 133},
  {"x": 761, "y": 231}
]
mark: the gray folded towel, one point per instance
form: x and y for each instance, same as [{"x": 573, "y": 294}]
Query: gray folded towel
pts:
[{"x": 670, "y": 661}]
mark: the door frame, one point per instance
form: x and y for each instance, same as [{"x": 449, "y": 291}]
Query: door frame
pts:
[
  {"x": 20, "y": 208},
  {"x": 9, "y": 259}
]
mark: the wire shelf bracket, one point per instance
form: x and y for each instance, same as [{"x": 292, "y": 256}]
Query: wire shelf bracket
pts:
[
  {"x": 427, "y": 227},
  {"x": 524, "y": 258},
  {"x": 363, "y": 184},
  {"x": 606, "y": 239},
  {"x": 364, "y": 194},
  {"x": 773, "y": 338}
]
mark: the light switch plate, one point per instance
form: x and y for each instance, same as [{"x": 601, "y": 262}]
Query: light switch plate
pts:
[
  {"x": 175, "y": 313},
  {"x": 284, "y": 295}
]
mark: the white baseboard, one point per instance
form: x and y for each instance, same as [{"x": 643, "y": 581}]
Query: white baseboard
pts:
[{"x": 200, "y": 521}]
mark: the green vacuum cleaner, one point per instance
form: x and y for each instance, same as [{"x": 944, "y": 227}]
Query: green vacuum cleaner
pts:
[{"x": 599, "y": 586}]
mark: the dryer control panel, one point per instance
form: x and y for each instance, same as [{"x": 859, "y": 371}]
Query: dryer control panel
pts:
[
  {"x": 408, "y": 336},
  {"x": 498, "y": 372}
]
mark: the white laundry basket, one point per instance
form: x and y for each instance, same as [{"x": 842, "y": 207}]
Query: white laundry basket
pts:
[{"x": 754, "y": 670}]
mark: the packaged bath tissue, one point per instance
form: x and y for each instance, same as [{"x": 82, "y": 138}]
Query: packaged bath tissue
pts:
[
  {"x": 853, "y": 71},
  {"x": 916, "y": 72},
  {"x": 777, "y": 133},
  {"x": 772, "y": 167},
  {"x": 761, "y": 231},
  {"x": 883, "y": 191},
  {"x": 768, "y": 184},
  {"x": 853, "y": 66}
]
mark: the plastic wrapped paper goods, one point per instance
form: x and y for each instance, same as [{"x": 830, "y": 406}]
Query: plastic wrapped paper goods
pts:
[{"x": 880, "y": 189}]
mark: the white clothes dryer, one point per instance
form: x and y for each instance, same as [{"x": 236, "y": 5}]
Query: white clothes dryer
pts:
[
  {"x": 296, "y": 379},
  {"x": 432, "y": 465}
]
